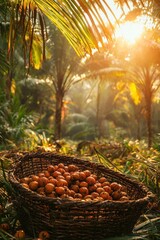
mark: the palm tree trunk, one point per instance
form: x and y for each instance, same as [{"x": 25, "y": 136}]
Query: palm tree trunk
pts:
[
  {"x": 8, "y": 85},
  {"x": 58, "y": 115},
  {"x": 98, "y": 110}
]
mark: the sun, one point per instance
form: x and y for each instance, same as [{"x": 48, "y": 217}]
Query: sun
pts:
[{"x": 130, "y": 31}]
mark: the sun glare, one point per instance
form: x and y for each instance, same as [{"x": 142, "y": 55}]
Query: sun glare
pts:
[{"x": 130, "y": 31}]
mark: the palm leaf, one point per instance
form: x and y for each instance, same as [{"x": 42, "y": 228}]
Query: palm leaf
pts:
[
  {"x": 4, "y": 64},
  {"x": 106, "y": 161},
  {"x": 81, "y": 21}
]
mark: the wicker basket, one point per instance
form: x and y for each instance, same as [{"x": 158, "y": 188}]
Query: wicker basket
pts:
[{"x": 70, "y": 219}]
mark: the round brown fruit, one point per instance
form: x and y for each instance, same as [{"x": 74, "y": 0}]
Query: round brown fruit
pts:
[
  {"x": 72, "y": 168},
  {"x": 94, "y": 195},
  {"x": 75, "y": 176},
  {"x": 40, "y": 190},
  {"x": 77, "y": 182},
  {"x": 34, "y": 178},
  {"x": 107, "y": 189},
  {"x": 83, "y": 184},
  {"x": 102, "y": 180},
  {"x": 61, "y": 170},
  {"x": 66, "y": 168},
  {"x": 47, "y": 174},
  {"x": 94, "y": 176},
  {"x": 99, "y": 199},
  {"x": 60, "y": 190},
  {"x": 51, "y": 195},
  {"x": 97, "y": 184},
  {"x": 61, "y": 165},
  {"x": 25, "y": 180},
  {"x": 42, "y": 181},
  {"x": 33, "y": 185},
  {"x": 116, "y": 195},
  {"x": 53, "y": 181},
  {"x": 123, "y": 193},
  {"x": 64, "y": 196},
  {"x": 5, "y": 226},
  {"x": 72, "y": 193},
  {"x": 83, "y": 191},
  {"x": 88, "y": 197},
  {"x": 105, "y": 184},
  {"x": 92, "y": 188},
  {"x": 44, "y": 235},
  {"x": 56, "y": 174},
  {"x": 124, "y": 198},
  {"x": 78, "y": 195},
  {"x": 115, "y": 186},
  {"x": 105, "y": 195},
  {"x": 51, "y": 168},
  {"x": 65, "y": 174},
  {"x": 87, "y": 173},
  {"x": 91, "y": 180},
  {"x": 75, "y": 188},
  {"x": 67, "y": 191},
  {"x": 55, "y": 167},
  {"x": 20, "y": 234},
  {"x": 99, "y": 190},
  {"x": 49, "y": 187},
  {"x": 62, "y": 183},
  {"x": 82, "y": 176},
  {"x": 25, "y": 185},
  {"x": 68, "y": 178},
  {"x": 41, "y": 174},
  {"x": 60, "y": 177}
]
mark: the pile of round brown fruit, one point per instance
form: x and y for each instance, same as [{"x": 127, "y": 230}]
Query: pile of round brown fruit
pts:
[{"x": 68, "y": 181}]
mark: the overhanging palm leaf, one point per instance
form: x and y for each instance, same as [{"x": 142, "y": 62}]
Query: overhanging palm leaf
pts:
[
  {"x": 84, "y": 23},
  {"x": 78, "y": 21}
]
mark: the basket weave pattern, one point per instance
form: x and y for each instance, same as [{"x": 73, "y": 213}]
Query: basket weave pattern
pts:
[{"x": 72, "y": 219}]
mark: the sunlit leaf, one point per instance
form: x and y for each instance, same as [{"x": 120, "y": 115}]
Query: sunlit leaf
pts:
[
  {"x": 132, "y": 15},
  {"x": 36, "y": 55},
  {"x": 135, "y": 94}
]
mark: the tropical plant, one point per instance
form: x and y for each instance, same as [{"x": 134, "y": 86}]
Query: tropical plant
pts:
[
  {"x": 18, "y": 22},
  {"x": 38, "y": 98},
  {"x": 60, "y": 71},
  {"x": 102, "y": 71},
  {"x": 14, "y": 123},
  {"x": 79, "y": 127},
  {"x": 145, "y": 73}
]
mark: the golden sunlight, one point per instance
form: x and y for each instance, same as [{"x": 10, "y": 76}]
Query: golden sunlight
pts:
[{"x": 130, "y": 31}]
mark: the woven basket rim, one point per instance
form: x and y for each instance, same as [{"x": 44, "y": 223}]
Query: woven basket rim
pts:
[{"x": 12, "y": 178}]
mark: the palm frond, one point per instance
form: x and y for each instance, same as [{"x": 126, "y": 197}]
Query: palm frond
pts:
[
  {"x": 82, "y": 22},
  {"x": 4, "y": 64}
]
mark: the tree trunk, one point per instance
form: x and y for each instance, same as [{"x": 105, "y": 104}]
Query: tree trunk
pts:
[
  {"x": 8, "y": 85},
  {"x": 98, "y": 117},
  {"x": 58, "y": 114}
]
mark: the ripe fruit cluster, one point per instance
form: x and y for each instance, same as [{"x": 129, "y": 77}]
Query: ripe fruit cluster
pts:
[{"x": 68, "y": 181}]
